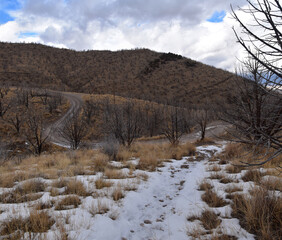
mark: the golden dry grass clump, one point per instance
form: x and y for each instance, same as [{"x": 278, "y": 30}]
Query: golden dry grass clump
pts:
[
  {"x": 232, "y": 151},
  {"x": 101, "y": 183},
  {"x": 212, "y": 199},
  {"x": 37, "y": 222},
  {"x": 27, "y": 191},
  {"x": 152, "y": 155},
  {"x": 76, "y": 187},
  {"x": 260, "y": 213},
  {"x": 68, "y": 203},
  {"x": 253, "y": 175}
]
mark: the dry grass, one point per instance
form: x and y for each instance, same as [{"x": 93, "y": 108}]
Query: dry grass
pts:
[
  {"x": 101, "y": 183},
  {"x": 209, "y": 220},
  {"x": 125, "y": 153},
  {"x": 54, "y": 192},
  {"x": 253, "y": 175},
  {"x": 142, "y": 176},
  {"x": 216, "y": 176},
  {"x": 68, "y": 203},
  {"x": 196, "y": 233},
  {"x": 272, "y": 183},
  {"x": 152, "y": 155},
  {"x": 25, "y": 192},
  {"x": 231, "y": 151},
  {"x": 37, "y": 222},
  {"x": 223, "y": 237},
  {"x": 260, "y": 214},
  {"x": 100, "y": 162},
  {"x": 205, "y": 185},
  {"x": 6, "y": 180},
  {"x": 32, "y": 186},
  {"x": 76, "y": 187},
  {"x": 149, "y": 162},
  {"x": 117, "y": 194},
  {"x": 98, "y": 208},
  {"x": 212, "y": 199},
  {"x": 44, "y": 205},
  {"x": 205, "y": 141},
  {"x": 114, "y": 174},
  {"x": 60, "y": 183},
  {"x": 232, "y": 189},
  {"x": 226, "y": 180},
  {"x": 214, "y": 168},
  {"x": 233, "y": 169}
]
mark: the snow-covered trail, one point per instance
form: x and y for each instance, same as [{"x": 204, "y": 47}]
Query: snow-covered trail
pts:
[{"x": 158, "y": 210}]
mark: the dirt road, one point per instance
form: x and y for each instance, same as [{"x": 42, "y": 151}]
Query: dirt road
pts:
[
  {"x": 214, "y": 129},
  {"x": 52, "y": 130}
]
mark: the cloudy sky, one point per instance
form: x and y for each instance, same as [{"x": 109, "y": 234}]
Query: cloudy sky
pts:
[{"x": 198, "y": 29}]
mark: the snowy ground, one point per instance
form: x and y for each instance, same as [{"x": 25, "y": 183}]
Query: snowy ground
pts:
[{"x": 157, "y": 209}]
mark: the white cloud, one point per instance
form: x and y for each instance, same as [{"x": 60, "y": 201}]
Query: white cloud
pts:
[{"x": 178, "y": 26}]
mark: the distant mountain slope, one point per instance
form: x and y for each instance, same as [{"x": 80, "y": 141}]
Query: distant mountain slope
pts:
[{"x": 139, "y": 73}]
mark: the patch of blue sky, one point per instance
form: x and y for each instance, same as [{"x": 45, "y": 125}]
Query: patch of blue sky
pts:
[
  {"x": 217, "y": 17},
  {"x": 5, "y": 7},
  {"x": 5, "y": 17},
  {"x": 10, "y": 5},
  {"x": 27, "y": 34}
]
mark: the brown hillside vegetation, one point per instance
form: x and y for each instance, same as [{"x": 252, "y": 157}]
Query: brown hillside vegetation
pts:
[{"x": 139, "y": 73}]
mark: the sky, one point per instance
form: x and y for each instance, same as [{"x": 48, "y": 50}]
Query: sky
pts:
[{"x": 197, "y": 29}]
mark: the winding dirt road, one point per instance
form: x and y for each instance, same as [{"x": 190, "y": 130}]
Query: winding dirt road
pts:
[
  {"x": 76, "y": 102},
  {"x": 52, "y": 131}
]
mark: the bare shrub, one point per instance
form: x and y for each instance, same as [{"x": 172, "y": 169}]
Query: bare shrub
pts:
[
  {"x": 74, "y": 130},
  {"x": 110, "y": 147}
]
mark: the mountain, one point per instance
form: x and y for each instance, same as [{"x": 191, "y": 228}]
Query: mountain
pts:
[{"x": 139, "y": 73}]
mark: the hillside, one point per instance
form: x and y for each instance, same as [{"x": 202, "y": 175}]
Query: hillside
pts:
[{"x": 139, "y": 73}]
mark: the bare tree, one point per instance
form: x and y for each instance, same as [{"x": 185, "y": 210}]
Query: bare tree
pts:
[
  {"x": 43, "y": 94},
  {"x": 35, "y": 132},
  {"x": 22, "y": 96},
  {"x": 202, "y": 116},
  {"x": 258, "y": 103},
  {"x": 153, "y": 117},
  {"x": 255, "y": 110},
  {"x": 74, "y": 130},
  {"x": 265, "y": 45},
  {"x": 124, "y": 121},
  {"x": 174, "y": 124},
  {"x": 16, "y": 121},
  {"x": 3, "y": 92},
  {"x": 90, "y": 109},
  {"x": 4, "y": 106}
]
